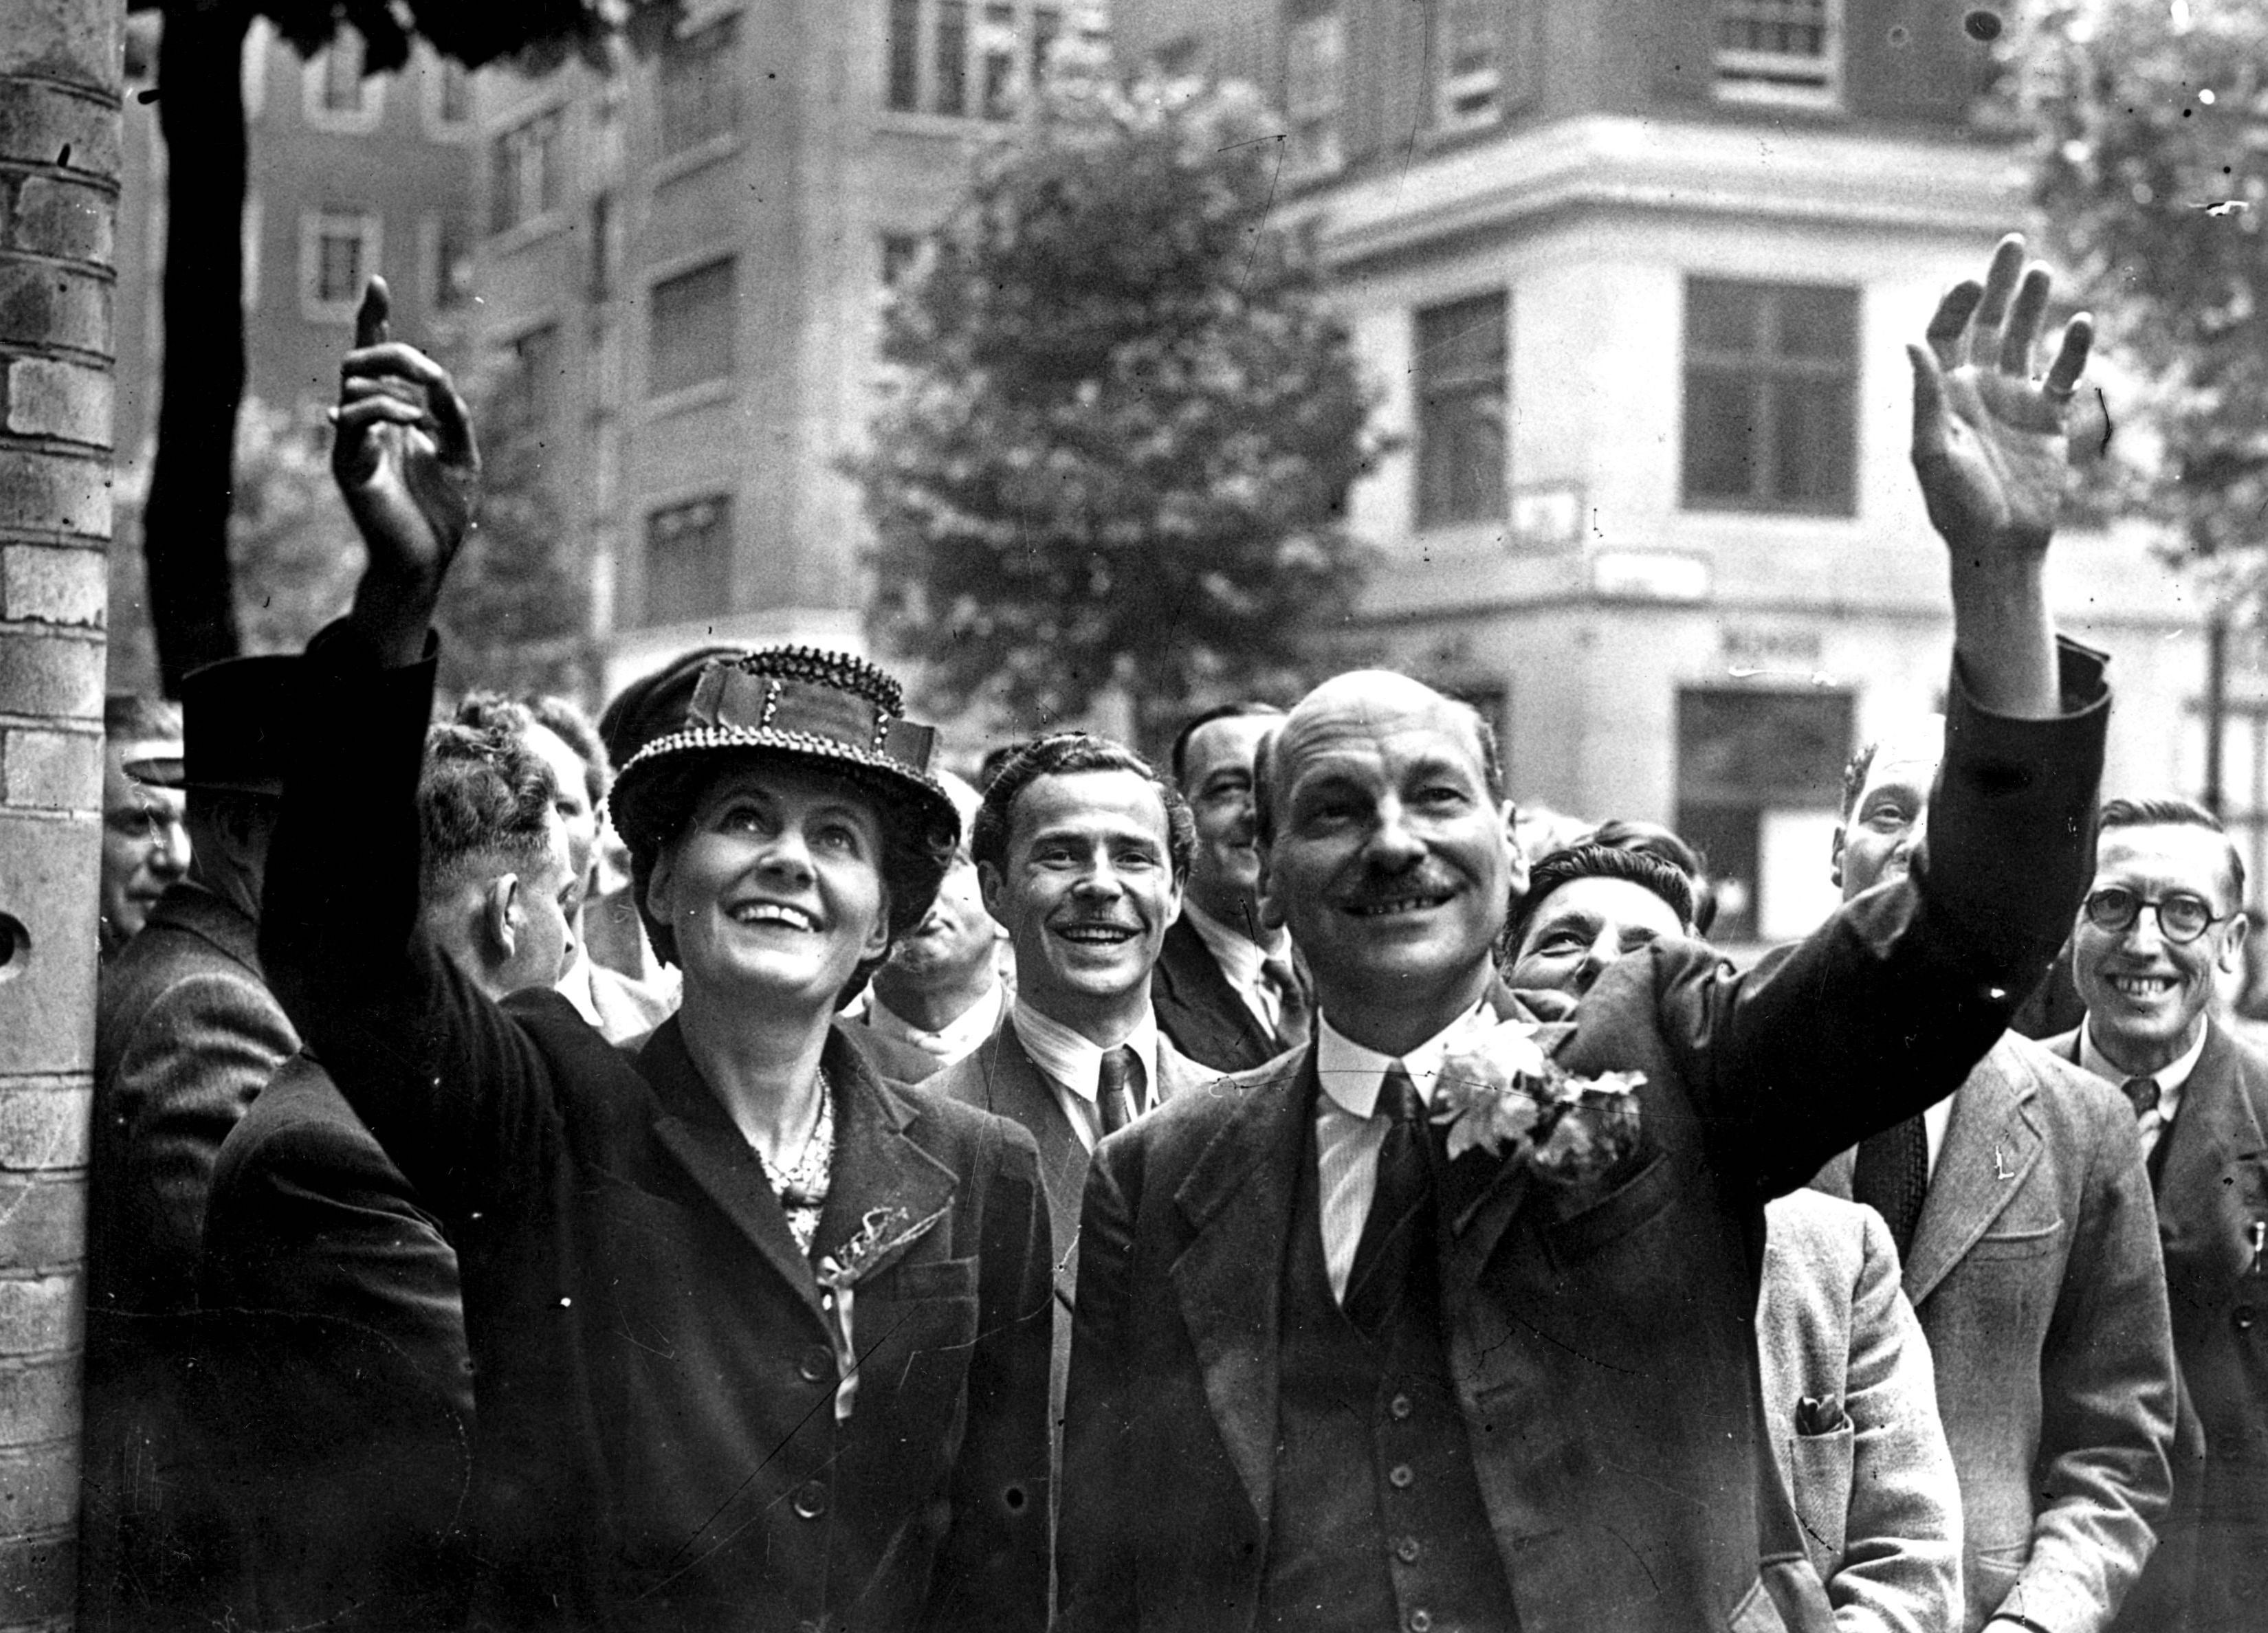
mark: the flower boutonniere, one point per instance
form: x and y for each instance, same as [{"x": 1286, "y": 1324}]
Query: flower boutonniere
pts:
[
  {"x": 1504, "y": 1093},
  {"x": 881, "y": 1232}
]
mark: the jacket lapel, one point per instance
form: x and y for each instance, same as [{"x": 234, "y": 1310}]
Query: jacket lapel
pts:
[
  {"x": 1480, "y": 1194},
  {"x": 1015, "y": 1088},
  {"x": 881, "y": 1174},
  {"x": 1197, "y": 984},
  {"x": 694, "y": 1129},
  {"x": 2215, "y": 1124},
  {"x": 1237, "y": 1200},
  {"x": 1991, "y": 1147}
]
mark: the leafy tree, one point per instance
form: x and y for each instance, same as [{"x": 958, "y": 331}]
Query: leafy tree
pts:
[
  {"x": 2149, "y": 125},
  {"x": 1122, "y": 426},
  {"x": 201, "y": 114}
]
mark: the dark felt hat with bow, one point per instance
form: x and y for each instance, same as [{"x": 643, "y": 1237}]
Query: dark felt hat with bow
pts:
[{"x": 826, "y": 711}]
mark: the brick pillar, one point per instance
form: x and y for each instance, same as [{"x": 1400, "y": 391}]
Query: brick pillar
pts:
[{"x": 60, "y": 67}]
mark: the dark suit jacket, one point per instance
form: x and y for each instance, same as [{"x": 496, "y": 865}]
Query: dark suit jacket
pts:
[
  {"x": 1600, "y": 1338},
  {"x": 661, "y": 1444},
  {"x": 1200, "y": 1011},
  {"x": 187, "y": 1033},
  {"x": 337, "y": 1335},
  {"x": 2036, "y": 1272},
  {"x": 2210, "y": 1574}
]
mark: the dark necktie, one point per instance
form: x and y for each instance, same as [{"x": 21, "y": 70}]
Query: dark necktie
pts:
[
  {"x": 1389, "y": 1235},
  {"x": 2142, "y": 1094},
  {"x": 1114, "y": 1090},
  {"x": 1292, "y": 1012},
  {"x": 1892, "y": 1177}
]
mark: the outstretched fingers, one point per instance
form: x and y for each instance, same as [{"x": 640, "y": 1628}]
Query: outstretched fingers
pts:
[
  {"x": 2023, "y": 326},
  {"x": 2070, "y": 359},
  {"x": 1929, "y": 434},
  {"x": 2001, "y": 280},
  {"x": 1949, "y": 324}
]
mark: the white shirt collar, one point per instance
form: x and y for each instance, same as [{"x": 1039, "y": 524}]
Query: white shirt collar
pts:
[
  {"x": 1350, "y": 1074},
  {"x": 949, "y": 1043},
  {"x": 2171, "y": 1077},
  {"x": 1075, "y": 1061},
  {"x": 1238, "y": 954}
]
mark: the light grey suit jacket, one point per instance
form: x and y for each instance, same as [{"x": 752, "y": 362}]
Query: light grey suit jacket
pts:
[
  {"x": 1882, "y": 1518},
  {"x": 2036, "y": 1274}
]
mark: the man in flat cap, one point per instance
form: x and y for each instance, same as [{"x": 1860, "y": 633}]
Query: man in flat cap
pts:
[{"x": 187, "y": 1032}]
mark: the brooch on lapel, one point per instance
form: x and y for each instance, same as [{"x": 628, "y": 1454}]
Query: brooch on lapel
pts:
[
  {"x": 1502, "y": 1092},
  {"x": 881, "y": 1232}
]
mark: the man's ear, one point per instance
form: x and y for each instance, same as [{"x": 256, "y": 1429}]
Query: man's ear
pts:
[
  {"x": 989, "y": 885},
  {"x": 503, "y": 917},
  {"x": 1517, "y": 876},
  {"x": 1272, "y": 915},
  {"x": 2232, "y": 951},
  {"x": 1834, "y": 858}
]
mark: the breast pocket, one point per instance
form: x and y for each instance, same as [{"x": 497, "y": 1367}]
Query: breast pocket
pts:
[
  {"x": 1819, "y": 1478},
  {"x": 915, "y": 1329},
  {"x": 1623, "y": 1212}
]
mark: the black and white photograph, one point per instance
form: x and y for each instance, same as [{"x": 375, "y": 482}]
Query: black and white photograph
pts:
[{"x": 1133, "y": 816}]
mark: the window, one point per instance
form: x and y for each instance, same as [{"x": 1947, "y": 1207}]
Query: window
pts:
[
  {"x": 1467, "y": 45},
  {"x": 689, "y": 560},
  {"x": 451, "y": 84},
  {"x": 1759, "y": 786},
  {"x": 1771, "y": 383},
  {"x": 526, "y": 399},
  {"x": 1461, "y": 411},
  {"x": 1779, "y": 50},
  {"x": 1000, "y": 49},
  {"x": 905, "y": 56},
  {"x": 336, "y": 94},
  {"x": 962, "y": 59},
  {"x": 699, "y": 93},
  {"x": 690, "y": 336},
  {"x": 1314, "y": 69},
  {"x": 338, "y": 251},
  {"x": 524, "y": 173},
  {"x": 951, "y": 70},
  {"x": 900, "y": 252},
  {"x": 449, "y": 264}
]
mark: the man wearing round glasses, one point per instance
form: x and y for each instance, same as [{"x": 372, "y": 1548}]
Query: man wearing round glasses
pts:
[{"x": 2162, "y": 919}]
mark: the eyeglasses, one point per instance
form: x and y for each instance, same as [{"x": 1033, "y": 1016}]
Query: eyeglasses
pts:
[{"x": 2182, "y": 916}]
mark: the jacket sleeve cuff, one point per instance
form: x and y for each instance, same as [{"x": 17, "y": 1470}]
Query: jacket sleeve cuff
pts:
[{"x": 2011, "y": 842}]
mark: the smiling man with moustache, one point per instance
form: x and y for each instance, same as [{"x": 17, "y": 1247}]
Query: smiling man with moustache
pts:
[
  {"x": 2164, "y": 916},
  {"x": 1326, "y": 1379},
  {"x": 1081, "y": 850}
]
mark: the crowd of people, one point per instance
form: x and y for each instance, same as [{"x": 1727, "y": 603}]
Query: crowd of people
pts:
[{"x": 715, "y": 1168}]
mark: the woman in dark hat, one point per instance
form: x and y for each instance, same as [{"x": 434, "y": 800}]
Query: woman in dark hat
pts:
[{"x": 759, "y": 1339}]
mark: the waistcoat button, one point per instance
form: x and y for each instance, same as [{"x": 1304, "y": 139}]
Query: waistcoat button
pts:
[
  {"x": 1400, "y": 1407},
  {"x": 811, "y": 1499},
  {"x": 813, "y": 1363},
  {"x": 1400, "y": 1477},
  {"x": 1407, "y": 1550},
  {"x": 1420, "y": 1621}
]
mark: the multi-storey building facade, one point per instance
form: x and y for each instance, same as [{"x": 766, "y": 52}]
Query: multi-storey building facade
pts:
[
  {"x": 682, "y": 263},
  {"x": 1633, "y": 278},
  {"x": 349, "y": 174}
]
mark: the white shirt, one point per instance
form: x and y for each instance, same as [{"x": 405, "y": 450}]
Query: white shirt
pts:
[
  {"x": 958, "y": 1037},
  {"x": 1072, "y": 1063},
  {"x": 2170, "y": 1078},
  {"x": 1240, "y": 959},
  {"x": 1934, "y": 1121},
  {"x": 1348, "y": 1136}
]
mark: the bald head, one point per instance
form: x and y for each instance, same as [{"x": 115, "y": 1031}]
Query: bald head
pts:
[{"x": 1370, "y": 697}]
